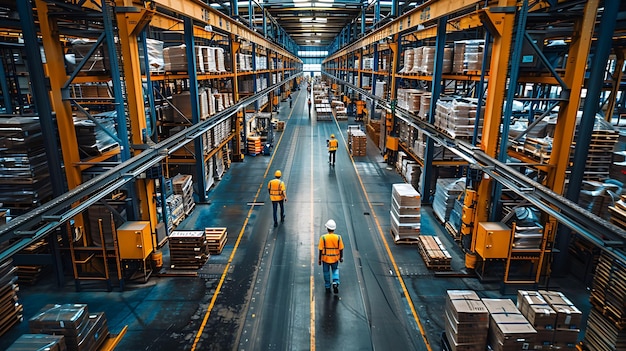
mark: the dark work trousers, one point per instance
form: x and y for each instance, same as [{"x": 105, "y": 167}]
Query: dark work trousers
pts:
[
  {"x": 331, "y": 156},
  {"x": 282, "y": 210}
]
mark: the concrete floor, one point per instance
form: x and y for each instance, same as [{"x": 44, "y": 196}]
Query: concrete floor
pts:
[{"x": 265, "y": 290}]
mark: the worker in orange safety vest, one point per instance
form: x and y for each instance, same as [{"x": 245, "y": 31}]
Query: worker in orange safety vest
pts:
[
  {"x": 332, "y": 145},
  {"x": 330, "y": 254},
  {"x": 278, "y": 195}
]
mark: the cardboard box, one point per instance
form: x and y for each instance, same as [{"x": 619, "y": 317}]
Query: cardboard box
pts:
[
  {"x": 508, "y": 328},
  {"x": 535, "y": 308},
  {"x": 568, "y": 316},
  {"x": 466, "y": 307},
  {"x": 566, "y": 337}
]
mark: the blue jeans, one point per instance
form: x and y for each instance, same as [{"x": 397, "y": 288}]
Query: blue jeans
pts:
[
  {"x": 327, "y": 267},
  {"x": 275, "y": 208}
]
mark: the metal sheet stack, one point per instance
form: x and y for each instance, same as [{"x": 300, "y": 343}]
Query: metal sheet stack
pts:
[
  {"x": 82, "y": 331},
  {"x": 540, "y": 315},
  {"x": 508, "y": 328},
  {"x": 467, "y": 321},
  {"x": 405, "y": 213},
  {"x": 24, "y": 182},
  {"x": 28, "y": 342},
  {"x": 189, "y": 249},
  {"x": 183, "y": 186},
  {"x": 606, "y": 327},
  {"x": 11, "y": 310},
  {"x": 92, "y": 139},
  {"x": 446, "y": 192}
]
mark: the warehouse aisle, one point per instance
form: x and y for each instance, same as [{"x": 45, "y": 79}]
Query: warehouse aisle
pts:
[{"x": 265, "y": 291}]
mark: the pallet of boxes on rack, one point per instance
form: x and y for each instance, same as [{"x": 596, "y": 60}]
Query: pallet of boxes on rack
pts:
[
  {"x": 175, "y": 208},
  {"x": 183, "y": 186}
]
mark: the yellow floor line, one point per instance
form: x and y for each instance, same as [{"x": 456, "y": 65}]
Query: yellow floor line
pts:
[
  {"x": 232, "y": 255},
  {"x": 387, "y": 248},
  {"x": 313, "y": 255}
]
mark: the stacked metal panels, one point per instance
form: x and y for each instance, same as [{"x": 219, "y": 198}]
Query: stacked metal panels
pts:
[
  {"x": 92, "y": 139},
  {"x": 24, "y": 176},
  {"x": 82, "y": 331},
  {"x": 446, "y": 191}
]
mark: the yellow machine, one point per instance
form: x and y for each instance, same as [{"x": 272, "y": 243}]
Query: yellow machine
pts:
[
  {"x": 135, "y": 240},
  {"x": 493, "y": 240}
]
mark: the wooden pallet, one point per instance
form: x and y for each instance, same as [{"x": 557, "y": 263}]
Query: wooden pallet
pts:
[
  {"x": 216, "y": 239},
  {"x": 434, "y": 253},
  {"x": 452, "y": 231}
]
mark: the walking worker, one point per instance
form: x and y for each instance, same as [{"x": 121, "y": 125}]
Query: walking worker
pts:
[
  {"x": 332, "y": 145},
  {"x": 278, "y": 195},
  {"x": 309, "y": 102},
  {"x": 290, "y": 100},
  {"x": 331, "y": 253}
]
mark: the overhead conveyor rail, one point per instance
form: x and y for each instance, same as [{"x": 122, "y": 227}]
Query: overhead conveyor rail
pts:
[
  {"x": 36, "y": 224},
  {"x": 600, "y": 232}
]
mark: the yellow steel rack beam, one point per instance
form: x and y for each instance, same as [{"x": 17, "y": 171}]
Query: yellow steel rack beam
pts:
[
  {"x": 411, "y": 20},
  {"x": 204, "y": 13}
]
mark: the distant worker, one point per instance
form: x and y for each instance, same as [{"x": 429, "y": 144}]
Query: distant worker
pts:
[
  {"x": 309, "y": 102},
  {"x": 290, "y": 100},
  {"x": 278, "y": 195},
  {"x": 332, "y": 145},
  {"x": 330, "y": 254}
]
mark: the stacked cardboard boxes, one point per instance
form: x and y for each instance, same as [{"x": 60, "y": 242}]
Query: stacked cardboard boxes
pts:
[
  {"x": 183, "y": 186},
  {"x": 38, "y": 342},
  {"x": 9, "y": 305},
  {"x": 358, "y": 142},
  {"x": 508, "y": 328},
  {"x": 466, "y": 321},
  {"x": 540, "y": 315},
  {"x": 405, "y": 212},
  {"x": 568, "y": 319}
]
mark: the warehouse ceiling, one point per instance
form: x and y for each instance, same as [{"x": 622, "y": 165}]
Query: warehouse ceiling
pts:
[{"x": 318, "y": 22}]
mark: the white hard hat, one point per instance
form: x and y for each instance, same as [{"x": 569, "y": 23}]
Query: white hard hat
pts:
[{"x": 331, "y": 225}]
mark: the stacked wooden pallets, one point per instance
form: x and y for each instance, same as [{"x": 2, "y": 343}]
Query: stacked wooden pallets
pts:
[
  {"x": 606, "y": 326},
  {"x": 600, "y": 152},
  {"x": 434, "y": 253},
  {"x": 405, "y": 213},
  {"x": 183, "y": 186},
  {"x": 216, "y": 239},
  {"x": 10, "y": 309},
  {"x": 189, "y": 249}
]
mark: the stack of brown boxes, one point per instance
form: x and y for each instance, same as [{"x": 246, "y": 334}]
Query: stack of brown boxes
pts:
[
  {"x": 189, "y": 249},
  {"x": 358, "y": 142},
  {"x": 540, "y": 315},
  {"x": 467, "y": 321},
  {"x": 568, "y": 319},
  {"x": 508, "y": 328},
  {"x": 82, "y": 331},
  {"x": 175, "y": 58}
]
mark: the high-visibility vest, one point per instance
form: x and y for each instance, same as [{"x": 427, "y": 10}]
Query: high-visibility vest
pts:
[
  {"x": 333, "y": 144},
  {"x": 331, "y": 245},
  {"x": 277, "y": 189}
]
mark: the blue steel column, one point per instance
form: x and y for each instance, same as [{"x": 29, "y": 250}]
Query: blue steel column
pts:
[
  {"x": 6, "y": 93},
  {"x": 122, "y": 129},
  {"x": 264, "y": 22},
  {"x": 149, "y": 89},
  {"x": 250, "y": 14},
  {"x": 363, "y": 18},
  {"x": 376, "y": 13},
  {"x": 427, "y": 171},
  {"x": 585, "y": 129},
  {"x": 234, "y": 8},
  {"x": 46, "y": 118},
  {"x": 394, "y": 8},
  {"x": 516, "y": 59},
  {"x": 190, "y": 50}
]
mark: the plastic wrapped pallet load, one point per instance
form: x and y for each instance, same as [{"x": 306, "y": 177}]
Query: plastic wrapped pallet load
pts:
[
  {"x": 405, "y": 212},
  {"x": 446, "y": 191},
  {"x": 466, "y": 320}
]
